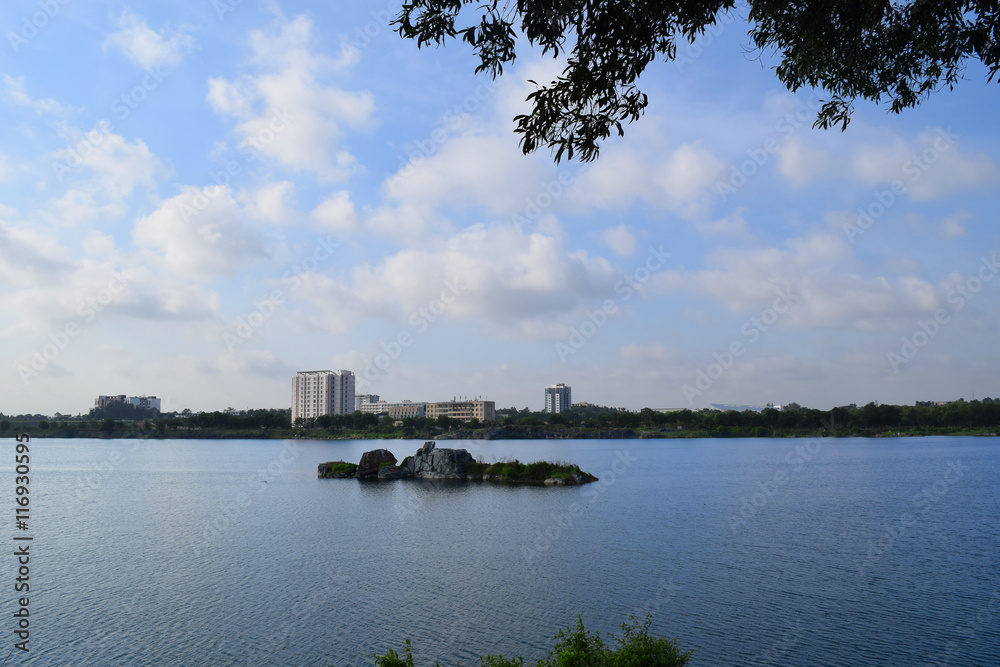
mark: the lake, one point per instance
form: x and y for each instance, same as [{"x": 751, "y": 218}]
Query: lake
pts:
[{"x": 748, "y": 551}]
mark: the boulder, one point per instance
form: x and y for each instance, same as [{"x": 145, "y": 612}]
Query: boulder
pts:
[
  {"x": 392, "y": 472},
  {"x": 372, "y": 461},
  {"x": 432, "y": 463}
]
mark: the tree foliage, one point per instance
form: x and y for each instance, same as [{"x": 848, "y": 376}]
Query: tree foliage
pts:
[
  {"x": 887, "y": 52},
  {"x": 576, "y": 647}
]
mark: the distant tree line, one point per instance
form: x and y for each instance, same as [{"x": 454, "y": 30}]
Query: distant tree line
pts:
[
  {"x": 792, "y": 419},
  {"x": 961, "y": 413},
  {"x": 244, "y": 419}
]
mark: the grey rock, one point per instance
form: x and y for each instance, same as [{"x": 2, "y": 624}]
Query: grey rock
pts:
[
  {"x": 392, "y": 472},
  {"x": 372, "y": 461},
  {"x": 432, "y": 463}
]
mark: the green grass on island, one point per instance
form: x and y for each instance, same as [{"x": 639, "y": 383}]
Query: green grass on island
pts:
[
  {"x": 517, "y": 472},
  {"x": 340, "y": 469},
  {"x": 575, "y": 647}
]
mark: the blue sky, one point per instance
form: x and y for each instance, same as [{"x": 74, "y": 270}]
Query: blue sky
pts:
[{"x": 198, "y": 201}]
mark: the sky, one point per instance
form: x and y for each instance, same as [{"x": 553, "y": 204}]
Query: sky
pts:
[{"x": 198, "y": 200}]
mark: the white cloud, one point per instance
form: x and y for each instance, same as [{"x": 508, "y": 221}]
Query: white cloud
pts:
[
  {"x": 818, "y": 272},
  {"x": 14, "y": 92},
  {"x": 199, "y": 233},
  {"x": 475, "y": 168},
  {"x": 953, "y": 226},
  {"x": 801, "y": 163},
  {"x": 29, "y": 257},
  {"x": 507, "y": 279},
  {"x": 269, "y": 202},
  {"x": 101, "y": 170},
  {"x": 117, "y": 165},
  {"x": 734, "y": 225},
  {"x": 929, "y": 167},
  {"x": 336, "y": 212},
  {"x": 687, "y": 172},
  {"x": 146, "y": 47},
  {"x": 677, "y": 179},
  {"x": 287, "y": 112},
  {"x": 619, "y": 239}
]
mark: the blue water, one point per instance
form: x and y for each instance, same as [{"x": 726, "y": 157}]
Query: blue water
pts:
[{"x": 749, "y": 552}]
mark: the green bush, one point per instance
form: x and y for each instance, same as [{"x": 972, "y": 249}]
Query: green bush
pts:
[
  {"x": 393, "y": 659},
  {"x": 336, "y": 467},
  {"x": 575, "y": 647},
  {"x": 476, "y": 468},
  {"x": 515, "y": 471}
]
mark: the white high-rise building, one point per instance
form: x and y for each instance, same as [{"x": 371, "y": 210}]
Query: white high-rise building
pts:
[
  {"x": 558, "y": 398},
  {"x": 316, "y": 393}
]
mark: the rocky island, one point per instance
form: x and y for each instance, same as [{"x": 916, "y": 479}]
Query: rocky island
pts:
[{"x": 431, "y": 462}]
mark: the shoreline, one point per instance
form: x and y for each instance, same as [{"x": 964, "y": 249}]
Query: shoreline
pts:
[{"x": 355, "y": 436}]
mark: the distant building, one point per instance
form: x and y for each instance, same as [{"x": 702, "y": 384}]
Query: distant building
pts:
[
  {"x": 361, "y": 399},
  {"x": 103, "y": 401},
  {"x": 484, "y": 411},
  {"x": 145, "y": 402},
  {"x": 400, "y": 410},
  {"x": 558, "y": 398},
  {"x": 317, "y": 393}
]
